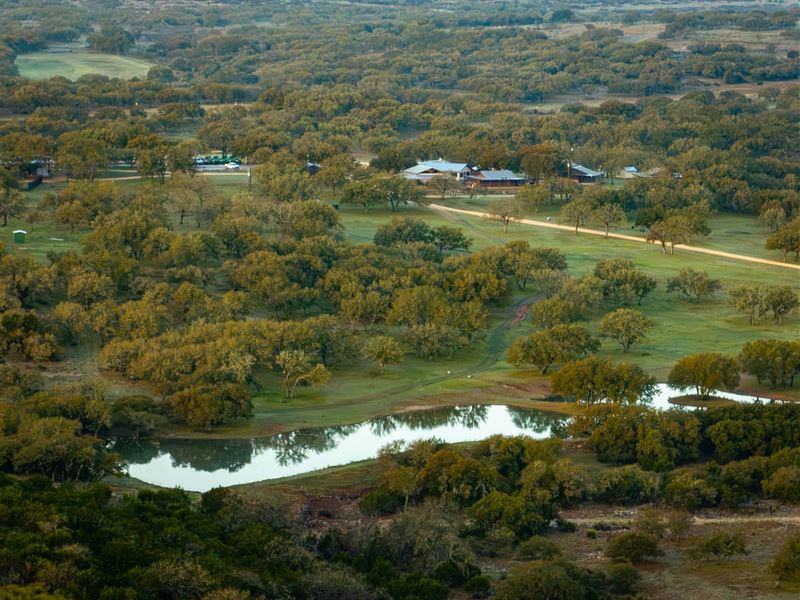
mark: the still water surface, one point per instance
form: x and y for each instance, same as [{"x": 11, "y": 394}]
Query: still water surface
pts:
[{"x": 200, "y": 465}]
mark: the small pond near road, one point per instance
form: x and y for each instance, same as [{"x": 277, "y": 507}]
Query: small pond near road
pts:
[{"x": 199, "y": 465}]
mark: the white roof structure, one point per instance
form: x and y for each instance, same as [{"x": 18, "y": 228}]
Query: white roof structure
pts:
[
  {"x": 426, "y": 169},
  {"x": 587, "y": 172},
  {"x": 631, "y": 172}
]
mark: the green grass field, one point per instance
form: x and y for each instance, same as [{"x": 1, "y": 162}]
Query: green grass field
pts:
[
  {"x": 738, "y": 233},
  {"x": 681, "y": 328},
  {"x": 480, "y": 373},
  {"x": 73, "y": 64}
]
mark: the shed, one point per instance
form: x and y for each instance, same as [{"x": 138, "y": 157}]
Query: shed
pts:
[
  {"x": 585, "y": 174},
  {"x": 632, "y": 173},
  {"x": 20, "y": 236}
]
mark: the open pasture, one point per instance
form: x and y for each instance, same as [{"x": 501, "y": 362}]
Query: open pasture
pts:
[
  {"x": 73, "y": 64},
  {"x": 480, "y": 374}
]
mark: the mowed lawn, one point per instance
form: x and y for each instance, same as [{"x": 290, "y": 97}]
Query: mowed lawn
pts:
[
  {"x": 738, "y": 233},
  {"x": 45, "y": 235},
  {"x": 73, "y": 64},
  {"x": 480, "y": 374},
  {"x": 681, "y": 327}
]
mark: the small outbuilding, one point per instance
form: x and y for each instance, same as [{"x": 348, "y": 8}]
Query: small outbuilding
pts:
[
  {"x": 634, "y": 173},
  {"x": 583, "y": 174},
  {"x": 41, "y": 167},
  {"x": 20, "y": 236}
]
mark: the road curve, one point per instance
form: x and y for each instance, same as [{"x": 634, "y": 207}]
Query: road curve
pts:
[{"x": 629, "y": 238}]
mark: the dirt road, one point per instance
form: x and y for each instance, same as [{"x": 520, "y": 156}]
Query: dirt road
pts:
[
  {"x": 733, "y": 520},
  {"x": 629, "y": 238}
]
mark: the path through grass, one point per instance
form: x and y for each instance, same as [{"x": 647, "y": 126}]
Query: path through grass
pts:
[
  {"x": 626, "y": 237},
  {"x": 480, "y": 374}
]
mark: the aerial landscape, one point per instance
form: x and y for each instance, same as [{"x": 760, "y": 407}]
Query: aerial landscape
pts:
[{"x": 399, "y": 300}]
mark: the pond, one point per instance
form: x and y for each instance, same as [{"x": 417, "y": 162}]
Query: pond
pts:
[
  {"x": 199, "y": 465},
  {"x": 663, "y": 393}
]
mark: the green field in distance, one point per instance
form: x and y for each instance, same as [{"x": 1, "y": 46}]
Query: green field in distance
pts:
[{"x": 75, "y": 63}]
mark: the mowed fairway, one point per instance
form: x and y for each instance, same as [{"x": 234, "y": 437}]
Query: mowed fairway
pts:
[{"x": 73, "y": 64}]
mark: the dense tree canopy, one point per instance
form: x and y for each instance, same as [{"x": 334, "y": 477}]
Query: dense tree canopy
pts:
[{"x": 198, "y": 299}]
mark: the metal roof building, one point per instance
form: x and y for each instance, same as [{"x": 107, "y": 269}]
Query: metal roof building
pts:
[
  {"x": 425, "y": 170},
  {"x": 495, "y": 178},
  {"x": 585, "y": 174}
]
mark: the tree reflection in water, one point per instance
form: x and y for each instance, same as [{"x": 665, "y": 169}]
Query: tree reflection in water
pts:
[
  {"x": 201, "y": 455},
  {"x": 136, "y": 451},
  {"x": 537, "y": 421},
  {"x": 466, "y": 416},
  {"x": 294, "y": 446},
  {"x": 472, "y": 416},
  {"x": 209, "y": 455},
  {"x": 383, "y": 426}
]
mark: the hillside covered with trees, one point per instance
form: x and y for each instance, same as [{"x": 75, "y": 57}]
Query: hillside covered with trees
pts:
[{"x": 324, "y": 214}]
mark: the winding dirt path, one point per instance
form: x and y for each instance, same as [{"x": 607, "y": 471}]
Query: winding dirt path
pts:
[
  {"x": 629, "y": 238},
  {"x": 696, "y": 520}
]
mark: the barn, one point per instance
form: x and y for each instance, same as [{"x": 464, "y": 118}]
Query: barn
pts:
[{"x": 583, "y": 174}]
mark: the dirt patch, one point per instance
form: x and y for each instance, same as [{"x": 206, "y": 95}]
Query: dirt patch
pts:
[
  {"x": 519, "y": 317},
  {"x": 676, "y": 574},
  {"x": 328, "y": 512}
]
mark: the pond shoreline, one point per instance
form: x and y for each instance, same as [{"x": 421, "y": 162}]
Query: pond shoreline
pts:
[
  {"x": 200, "y": 464},
  {"x": 549, "y": 404},
  {"x": 563, "y": 408}
]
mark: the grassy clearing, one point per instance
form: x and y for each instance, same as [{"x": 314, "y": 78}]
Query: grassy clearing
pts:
[
  {"x": 183, "y": 132},
  {"x": 480, "y": 374},
  {"x": 737, "y": 233},
  {"x": 73, "y": 64},
  {"x": 753, "y": 40},
  {"x": 359, "y": 391},
  {"x": 45, "y": 236},
  {"x": 681, "y": 328},
  {"x": 335, "y": 480}
]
